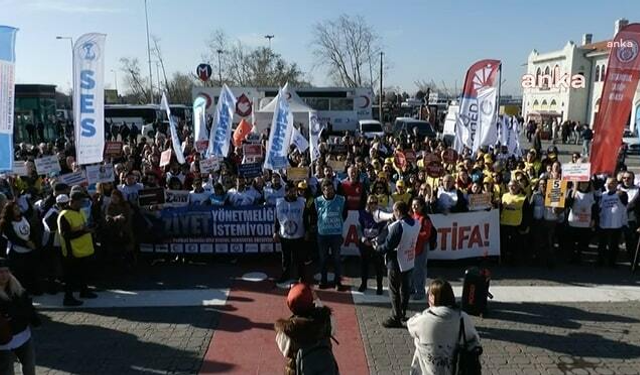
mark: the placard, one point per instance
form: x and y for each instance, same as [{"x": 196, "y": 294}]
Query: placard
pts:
[
  {"x": 410, "y": 155},
  {"x": 297, "y": 174},
  {"x": 430, "y": 158},
  {"x": 150, "y": 197},
  {"x": 576, "y": 171},
  {"x": 176, "y": 198},
  {"x": 19, "y": 168},
  {"x": 250, "y": 170},
  {"x": 112, "y": 149},
  {"x": 338, "y": 149},
  {"x": 435, "y": 169},
  {"x": 208, "y": 165},
  {"x": 202, "y": 145},
  {"x": 165, "y": 158},
  {"x": 449, "y": 156},
  {"x": 555, "y": 194},
  {"x": 479, "y": 202},
  {"x": 47, "y": 165},
  {"x": 100, "y": 173},
  {"x": 337, "y": 165},
  {"x": 75, "y": 178},
  {"x": 252, "y": 152}
]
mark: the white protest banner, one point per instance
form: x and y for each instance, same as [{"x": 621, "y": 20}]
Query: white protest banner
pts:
[
  {"x": 175, "y": 140},
  {"x": 201, "y": 136},
  {"x": 7, "y": 94},
  {"x": 298, "y": 173},
  {"x": 467, "y": 235},
  {"x": 47, "y": 164},
  {"x": 165, "y": 158},
  {"x": 19, "y": 168},
  {"x": 280, "y": 135},
  {"x": 100, "y": 173},
  {"x": 315, "y": 130},
  {"x": 576, "y": 171},
  {"x": 220, "y": 136},
  {"x": 176, "y": 198},
  {"x": 88, "y": 97},
  {"x": 299, "y": 140},
  {"x": 479, "y": 202},
  {"x": 210, "y": 164},
  {"x": 75, "y": 178}
]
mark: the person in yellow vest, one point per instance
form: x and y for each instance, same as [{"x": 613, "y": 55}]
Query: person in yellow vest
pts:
[
  {"x": 401, "y": 194},
  {"x": 77, "y": 248},
  {"x": 515, "y": 216}
]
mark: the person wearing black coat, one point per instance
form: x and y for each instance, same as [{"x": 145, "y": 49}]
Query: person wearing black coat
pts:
[{"x": 17, "y": 314}]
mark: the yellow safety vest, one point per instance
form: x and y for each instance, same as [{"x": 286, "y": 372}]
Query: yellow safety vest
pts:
[
  {"x": 82, "y": 246},
  {"x": 511, "y": 214}
]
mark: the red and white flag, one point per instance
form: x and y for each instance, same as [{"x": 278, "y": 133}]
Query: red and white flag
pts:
[{"x": 620, "y": 83}]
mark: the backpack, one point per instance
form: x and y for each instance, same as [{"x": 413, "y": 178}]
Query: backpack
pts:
[{"x": 317, "y": 359}]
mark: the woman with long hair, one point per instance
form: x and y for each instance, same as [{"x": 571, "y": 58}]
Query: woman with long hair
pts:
[
  {"x": 16, "y": 315},
  {"x": 21, "y": 247},
  {"x": 436, "y": 331}
]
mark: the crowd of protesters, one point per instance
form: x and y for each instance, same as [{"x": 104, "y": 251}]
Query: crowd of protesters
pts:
[{"x": 369, "y": 178}]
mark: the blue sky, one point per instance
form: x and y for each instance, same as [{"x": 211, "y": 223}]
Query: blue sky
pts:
[{"x": 423, "y": 39}]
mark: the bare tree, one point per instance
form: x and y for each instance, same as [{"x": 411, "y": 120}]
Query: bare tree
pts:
[
  {"x": 180, "y": 88},
  {"x": 137, "y": 84},
  {"x": 157, "y": 52},
  {"x": 348, "y": 47}
]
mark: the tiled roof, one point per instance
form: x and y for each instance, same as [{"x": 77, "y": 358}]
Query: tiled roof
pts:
[{"x": 597, "y": 46}]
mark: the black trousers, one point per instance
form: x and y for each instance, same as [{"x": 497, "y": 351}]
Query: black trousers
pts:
[
  {"x": 295, "y": 258},
  {"x": 578, "y": 242},
  {"x": 399, "y": 290},
  {"x": 369, "y": 256},
  {"x": 24, "y": 267},
  {"x": 631, "y": 238},
  {"x": 76, "y": 271},
  {"x": 608, "y": 241},
  {"x": 511, "y": 244}
]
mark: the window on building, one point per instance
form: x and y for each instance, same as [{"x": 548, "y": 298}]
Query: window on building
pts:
[
  {"x": 556, "y": 70},
  {"x": 597, "y": 78},
  {"x": 546, "y": 77},
  {"x": 553, "y": 104},
  {"x": 538, "y": 73},
  {"x": 544, "y": 104}
]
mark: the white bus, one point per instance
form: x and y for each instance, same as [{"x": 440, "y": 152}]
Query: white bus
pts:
[{"x": 138, "y": 115}]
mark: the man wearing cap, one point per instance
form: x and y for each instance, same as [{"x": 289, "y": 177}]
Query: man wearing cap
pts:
[
  {"x": 77, "y": 246},
  {"x": 399, "y": 251},
  {"x": 289, "y": 229}
]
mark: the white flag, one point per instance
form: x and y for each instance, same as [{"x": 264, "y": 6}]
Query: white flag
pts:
[
  {"x": 514, "y": 139},
  {"x": 200, "y": 121},
  {"x": 487, "y": 134},
  {"x": 175, "y": 140},
  {"x": 503, "y": 124},
  {"x": 299, "y": 140},
  {"x": 220, "y": 136},
  {"x": 280, "y": 134},
  {"x": 315, "y": 130},
  {"x": 88, "y": 97}
]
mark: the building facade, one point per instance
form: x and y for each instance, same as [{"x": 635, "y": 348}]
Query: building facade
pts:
[
  {"x": 568, "y": 82},
  {"x": 35, "y": 113}
]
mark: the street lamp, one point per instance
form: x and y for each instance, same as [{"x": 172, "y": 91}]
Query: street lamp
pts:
[
  {"x": 146, "y": 15},
  {"x": 269, "y": 37},
  {"x": 220, "y": 52}
]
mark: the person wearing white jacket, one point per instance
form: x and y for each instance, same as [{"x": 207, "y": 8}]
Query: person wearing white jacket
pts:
[
  {"x": 612, "y": 219},
  {"x": 436, "y": 332}
]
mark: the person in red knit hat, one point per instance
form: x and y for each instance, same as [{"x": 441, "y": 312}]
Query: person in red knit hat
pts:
[{"x": 305, "y": 337}]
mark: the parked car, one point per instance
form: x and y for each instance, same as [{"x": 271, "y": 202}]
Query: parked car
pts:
[
  {"x": 632, "y": 142},
  {"x": 370, "y": 128},
  {"x": 425, "y": 129}
]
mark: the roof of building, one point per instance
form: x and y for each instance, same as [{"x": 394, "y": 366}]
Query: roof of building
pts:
[{"x": 598, "y": 46}]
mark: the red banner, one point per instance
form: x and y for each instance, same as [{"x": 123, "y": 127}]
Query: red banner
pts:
[{"x": 621, "y": 80}]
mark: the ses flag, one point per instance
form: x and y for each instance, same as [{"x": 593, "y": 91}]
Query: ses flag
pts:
[
  {"x": 476, "y": 121},
  {"x": 315, "y": 129},
  {"x": 175, "y": 140},
  {"x": 7, "y": 93},
  {"x": 220, "y": 136},
  {"x": 620, "y": 83},
  {"x": 280, "y": 134},
  {"x": 200, "y": 122},
  {"x": 299, "y": 140},
  {"x": 88, "y": 97}
]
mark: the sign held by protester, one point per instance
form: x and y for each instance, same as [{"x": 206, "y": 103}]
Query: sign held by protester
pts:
[
  {"x": 576, "y": 171},
  {"x": 75, "y": 178},
  {"x": 298, "y": 174},
  {"x": 337, "y": 165},
  {"x": 150, "y": 197},
  {"x": 112, "y": 149},
  {"x": 165, "y": 158},
  {"x": 176, "y": 198},
  {"x": 250, "y": 170},
  {"x": 479, "y": 202},
  {"x": 100, "y": 173},
  {"x": 210, "y": 164},
  {"x": 435, "y": 169},
  {"x": 47, "y": 164},
  {"x": 555, "y": 194},
  {"x": 449, "y": 156},
  {"x": 20, "y": 168}
]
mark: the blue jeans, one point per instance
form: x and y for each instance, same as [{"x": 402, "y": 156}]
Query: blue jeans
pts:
[
  {"x": 331, "y": 244},
  {"x": 586, "y": 145},
  {"x": 419, "y": 276}
]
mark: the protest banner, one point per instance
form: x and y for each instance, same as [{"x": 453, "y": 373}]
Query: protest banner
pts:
[
  {"x": 555, "y": 194},
  {"x": 576, "y": 171},
  {"x": 100, "y": 173},
  {"x": 47, "y": 165},
  {"x": 7, "y": 95},
  {"x": 435, "y": 169},
  {"x": 298, "y": 174},
  {"x": 88, "y": 97},
  {"x": 337, "y": 165},
  {"x": 112, "y": 149},
  {"x": 19, "y": 168},
  {"x": 467, "y": 235},
  {"x": 209, "y": 229},
  {"x": 151, "y": 196},
  {"x": 165, "y": 158},
  {"x": 210, "y": 164},
  {"x": 410, "y": 155},
  {"x": 75, "y": 178},
  {"x": 479, "y": 202},
  {"x": 250, "y": 170},
  {"x": 176, "y": 198},
  {"x": 252, "y": 152}
]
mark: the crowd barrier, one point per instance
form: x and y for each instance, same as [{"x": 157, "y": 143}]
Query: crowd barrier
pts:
[{"x": 249, "y": 230}]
